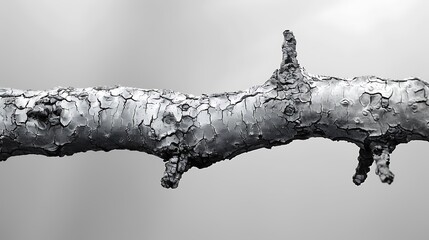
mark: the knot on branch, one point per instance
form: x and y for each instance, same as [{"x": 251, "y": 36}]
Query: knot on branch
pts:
[{"x": 46, "y": 112}]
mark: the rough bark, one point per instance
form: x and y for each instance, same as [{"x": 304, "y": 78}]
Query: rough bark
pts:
[{"x": 196, "y": 131}]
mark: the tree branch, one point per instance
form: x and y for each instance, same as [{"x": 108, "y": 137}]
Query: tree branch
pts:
[{"x": 196, "y": 131}]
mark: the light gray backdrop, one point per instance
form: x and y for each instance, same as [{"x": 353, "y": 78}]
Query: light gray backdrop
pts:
[{"x": 299, "y": 191}]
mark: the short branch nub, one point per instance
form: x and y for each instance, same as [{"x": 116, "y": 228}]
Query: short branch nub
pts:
[
  {"x": 289, "y": 61},
  {"x": 381, "y": 155},
  {"x": 174, "y": 168}
]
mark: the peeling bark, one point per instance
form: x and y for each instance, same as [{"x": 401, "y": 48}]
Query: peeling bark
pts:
[{"x": 196, "y": 131}]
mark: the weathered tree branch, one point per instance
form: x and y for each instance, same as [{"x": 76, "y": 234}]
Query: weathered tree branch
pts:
[{"x": 196, "y": 131}]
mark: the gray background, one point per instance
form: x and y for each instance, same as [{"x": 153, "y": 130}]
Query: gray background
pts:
[{"x": 302, "y": 190}]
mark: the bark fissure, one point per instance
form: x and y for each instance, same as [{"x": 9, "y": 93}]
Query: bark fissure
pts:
[{"x": 196, "y": 131}]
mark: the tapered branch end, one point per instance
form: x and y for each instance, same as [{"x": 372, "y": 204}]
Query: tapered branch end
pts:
[
  {"x": 289, "y": 62},
  {"x": 358, "y": 179}
]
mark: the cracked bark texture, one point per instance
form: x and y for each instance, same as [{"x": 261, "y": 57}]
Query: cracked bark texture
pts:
[{"x": 196, "y": 131}]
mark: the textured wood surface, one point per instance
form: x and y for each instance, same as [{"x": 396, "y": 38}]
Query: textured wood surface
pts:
[{"x": 196, "y": 131}]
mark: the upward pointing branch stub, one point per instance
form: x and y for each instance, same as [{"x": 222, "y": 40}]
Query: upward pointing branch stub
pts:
[{"x": 289, "y": 62}]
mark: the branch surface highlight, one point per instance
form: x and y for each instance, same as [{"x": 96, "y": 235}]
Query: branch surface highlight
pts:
[{"x": 196, "y": 131}]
